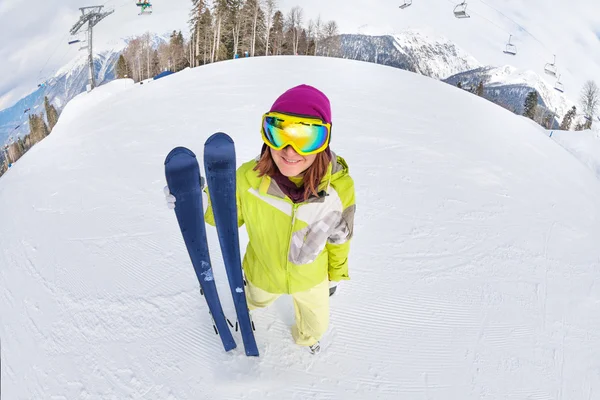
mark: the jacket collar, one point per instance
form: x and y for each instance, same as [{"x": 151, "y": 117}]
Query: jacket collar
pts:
[{"x": 266, "y": 185}]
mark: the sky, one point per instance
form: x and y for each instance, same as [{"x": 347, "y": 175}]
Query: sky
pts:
[{"x": 34, "y": 33}]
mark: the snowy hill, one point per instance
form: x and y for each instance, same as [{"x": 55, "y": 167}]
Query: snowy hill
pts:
[
  {"x": 584, "y": 145},
  {"x": 411, "y": 50},
  {"x": 475, "y": 264},
  {"x": 508, "y": 85}
]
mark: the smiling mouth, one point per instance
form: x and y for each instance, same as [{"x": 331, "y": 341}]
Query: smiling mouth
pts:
[{"x": 290, "y": 161}]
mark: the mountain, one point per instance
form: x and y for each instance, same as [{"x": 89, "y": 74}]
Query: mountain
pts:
[
  {"x": 69, "y": 81},
  {"x": 474, "y": 263},
  {"x": 411, "y": 50},
  {"x": 437, "y": 57},
  {"x": 508, "y": 86}
]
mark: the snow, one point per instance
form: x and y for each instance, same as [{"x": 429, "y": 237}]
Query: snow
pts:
[
  {"x": 584, "y": 145},
  {"x": 72, "y": 66},
  {"x": 433, "y": 54},
  {"x": 509, "y": 75},
  {"x": 475, "y": 264}
]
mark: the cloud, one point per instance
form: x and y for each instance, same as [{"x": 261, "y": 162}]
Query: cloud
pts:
[{"x": 7, "y": 99}]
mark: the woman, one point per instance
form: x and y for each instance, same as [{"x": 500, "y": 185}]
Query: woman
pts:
[{"x": 297, "y": 202}]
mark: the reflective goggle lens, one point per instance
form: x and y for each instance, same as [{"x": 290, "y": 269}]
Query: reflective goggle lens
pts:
[{"x": 306, "y": 136}]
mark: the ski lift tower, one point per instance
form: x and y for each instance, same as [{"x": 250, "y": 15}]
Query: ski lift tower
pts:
[{"x": 91, "y": 16}]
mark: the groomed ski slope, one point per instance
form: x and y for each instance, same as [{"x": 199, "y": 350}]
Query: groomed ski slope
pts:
[{"x": 475, "y": 265}]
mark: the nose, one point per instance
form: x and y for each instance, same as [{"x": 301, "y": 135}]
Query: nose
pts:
[{"x": 289, "y": 151}]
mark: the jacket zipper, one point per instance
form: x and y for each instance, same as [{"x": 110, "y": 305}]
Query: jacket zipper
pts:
[{"x": 294, "y": 209}]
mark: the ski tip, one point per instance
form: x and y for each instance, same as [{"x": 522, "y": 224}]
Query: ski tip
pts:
[
  {"x": 218, "y": 138},
  {"x": 179, "y": 151}
]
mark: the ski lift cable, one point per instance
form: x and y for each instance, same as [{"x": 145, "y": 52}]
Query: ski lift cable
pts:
[
  {"x": 517, "y": 24},
  {"x": 50, "y": 56},
  {"x": 543, "y": 57},
  {"x": 62, "y": 58},
  {"x": 476, "y": 13},
  {"x": 503, "y": 29},
  {"x": 62, "y": 40}
]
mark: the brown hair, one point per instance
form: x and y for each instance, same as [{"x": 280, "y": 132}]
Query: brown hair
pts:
[{"x": 312, "y": 176}]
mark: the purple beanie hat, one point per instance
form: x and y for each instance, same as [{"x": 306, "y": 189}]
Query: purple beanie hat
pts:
[{"x": 304, "y": 100}]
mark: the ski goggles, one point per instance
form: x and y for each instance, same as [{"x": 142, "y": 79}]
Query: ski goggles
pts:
[{"x": 307, "y": 135}]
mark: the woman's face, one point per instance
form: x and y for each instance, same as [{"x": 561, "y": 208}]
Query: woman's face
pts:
[{"x": 291, "y": 163}]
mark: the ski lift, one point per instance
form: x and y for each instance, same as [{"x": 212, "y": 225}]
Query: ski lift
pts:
[
  {"x": 559, "y": 86},
  {"x": 77, "y": 38},
  {"x": 510, "y": 48},
  {"x": 405, "y": 4},
  {"x": 146, "y": 7},
  {"x": 460, "y": 11},
  {"x": 550, "y": 68}
]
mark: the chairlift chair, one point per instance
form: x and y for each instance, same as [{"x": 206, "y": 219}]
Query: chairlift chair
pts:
[
  {"x": 510, "y": 48},
  {"x": 78, "y": 38},
  {"x": 550, "y": 68},
  {"x": 405, "y": 4},
  {"x": 460, "y": 11},
  {"x": 559, "y": 86}
]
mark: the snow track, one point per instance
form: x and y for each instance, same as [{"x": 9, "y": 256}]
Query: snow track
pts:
[{"x": 475, "y": 264}]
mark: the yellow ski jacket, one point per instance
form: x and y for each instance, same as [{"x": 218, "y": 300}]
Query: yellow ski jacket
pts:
[{"x": 294, "y": 247}]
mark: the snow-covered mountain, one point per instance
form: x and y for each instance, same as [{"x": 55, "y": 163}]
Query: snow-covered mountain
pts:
[
  {"x": 437, "y": 57},
  {"x": 509, "y": 86},
  {"x": 412, "y": 50},
  {"x": 69, "y": 81}
]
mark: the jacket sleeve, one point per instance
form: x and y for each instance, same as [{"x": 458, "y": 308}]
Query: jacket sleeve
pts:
[
  {"x": 338, "y": 244},
  {"x": 209, "y": 216}
]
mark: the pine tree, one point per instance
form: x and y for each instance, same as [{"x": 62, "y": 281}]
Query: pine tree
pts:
[
  {"x": 122, "y": 69},
  {"x": 548, "y": 121},
  {"x": 205, "y": 36},
  {"x": 34, "y": 128},
  {"x": 43, "y": 126},
  {"x": 51, "y": 114},
  {"x": 177, "y": 52},
  {"x": 277, "y": 33},
  {"x": 155, "y": 64},
  {"x": 531, "y": 104},
  {"x": 480, "y": 89},
  {"x": 565, "y": 125}
]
